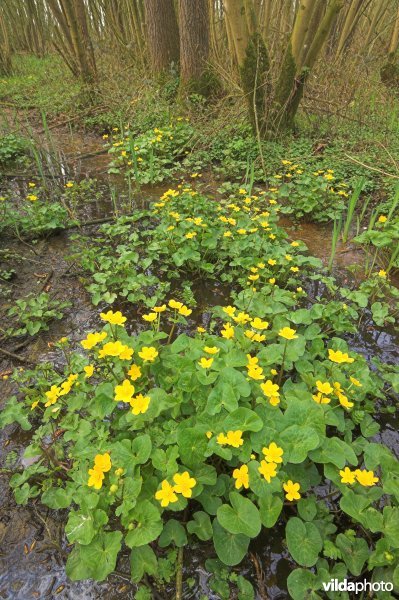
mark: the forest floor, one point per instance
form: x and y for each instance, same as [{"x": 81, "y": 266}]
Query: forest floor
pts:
[{"x": 46, "y": 144}]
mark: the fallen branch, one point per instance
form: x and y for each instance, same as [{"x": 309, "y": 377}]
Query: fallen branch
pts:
[
  {"x": 27, "y": 361},
  {"x": 371, "y": 168},
  {"x": 179, "y": 574}
]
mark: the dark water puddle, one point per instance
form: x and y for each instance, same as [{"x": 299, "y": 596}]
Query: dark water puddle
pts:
[{"x": 30, "y": 564}]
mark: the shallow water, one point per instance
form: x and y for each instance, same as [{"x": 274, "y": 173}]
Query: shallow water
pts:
[{"x": 32, "y": 545}]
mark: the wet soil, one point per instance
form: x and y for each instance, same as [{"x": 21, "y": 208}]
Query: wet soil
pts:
[{"x": 33, "y": 548}]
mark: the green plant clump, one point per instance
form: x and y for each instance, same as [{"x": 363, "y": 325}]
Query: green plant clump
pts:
[
  {"x": 33, "y": 314},
  {"x": 260, "y": 419}
]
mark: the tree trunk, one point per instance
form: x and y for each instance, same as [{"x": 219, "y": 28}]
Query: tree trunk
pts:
[
  {"x": 290, "y": 85},
  {"x": 5, "y": 50},
  {"x": 252, "y": 60},
  {"x": 194, "y": 46},
  {"x": 162, "y": 34}
]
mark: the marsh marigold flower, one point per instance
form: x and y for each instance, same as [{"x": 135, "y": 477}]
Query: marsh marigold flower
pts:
[
  {"x": 124, "y": 392},
  {"x": 339, "y": 357},
  {"x": 366, "y": 478},
  {"x": 95, "y": 479},
  {"x": 241, "y": 476},
  {"x": 184, "y": 484},
  {"x": 166, "y": 495},
  {"x": 148, "y": 353},
  {"x": 140, "y": 404},
  {"x": 273, "y": 453},
  {"x": 287, "y": 333},
  {"x": 347, "y": 476},
  {"x": 267, "y": 469},
  {"x": 102, "y": 462},
  {"x": 115, "y": 318},
  {"x": 292, "y": 490}
]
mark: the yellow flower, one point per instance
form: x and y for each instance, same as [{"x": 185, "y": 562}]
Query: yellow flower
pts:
[
  {"x": 294, "y": 244},
  {"x": 115, "y": 318},
  {"x": 201, "y": 330},
  {"x": 343, "y": 400},
  {"x": 382, "y": 273},
  {"x": 242, "y": 231},
  {"x": 190, "y": 235},
  {"x": 205, "y": 363},
  {"x": 185, "y": 311},
  {"x": 184, "y": 484},
  {"x": 255, "y": 372},
  {"x": 287, "y": 333},
  {"x": 102, "y": 462},
  {"x": 52, "y": 395},
  {"x": 270, "y": 389},
  {"x": 31, "y": 184},
  {"x": 339, "y": 357},
  {"x": 355, "y": 382},
  {"x": 252, "y": 360},
  {"x": 294, "y": 269},
  {"x": 69, "y": 184},
  {"x": 31, "y": 197},
  {"x": 166, "y": 494},
  {"x": 271, "y": 262},
  {"x": 92, "y": 339},
  {"x": 259, "y": 324},
  {"x": 242, "y": 318},
  {"x": 150, "y": 317},
  {"x": 134, "y": 372},
  {"x": 292, "y": 490},
  {"x": 159, "y": 309},
  {"x": 116, "y": 349},
  {"x": 227, "y": 332},
  {"x": 273, "y": 453},
  {"x": 34, "y": 404},
  {"x": 241, "y": 476},
  {"x": 233, "y": 438},
  {"x": 89, "y": 370},
  {"x": 382, "y": 219},
  {"x": 95, "y": 479},
  {"x": 267, "y": 469},
  {"x": 140, "y": 404},
  {"x": 324, "y": 388},
  {"x": 229, "y": 310},
  {"x": 253, "y": 277},
  {"x": 347, "y": 476},
  {"x": 272, "y": 280},
  {"x": 148, "y": 353},
  {"x": 227, "y": 234},
  {"x": 320, "y": 399},
  {"x": 211, "y": 349},
  {"x": 175, "y": 304},
  {"x": 209, "y": 434},
  {"x": 366, "y": 478},
  {"x": 124, "y": 392}
]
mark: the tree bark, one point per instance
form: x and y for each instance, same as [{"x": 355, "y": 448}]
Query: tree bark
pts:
[
  {"x": 194, "y": 46},
  {"x": 162, "y": 34}
]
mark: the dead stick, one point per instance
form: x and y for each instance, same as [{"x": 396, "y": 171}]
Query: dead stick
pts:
[
  {"x": 16, "y": 357},
  {"x": 179, "y": 575}
]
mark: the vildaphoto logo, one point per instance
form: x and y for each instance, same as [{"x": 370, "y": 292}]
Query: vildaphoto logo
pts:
[{"x": 334, "y": 585}]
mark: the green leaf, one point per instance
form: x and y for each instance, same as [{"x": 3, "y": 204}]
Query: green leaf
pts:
[
  {"x": 270, "y": 507},
  {"x": 229, "y": 547},
  {"x": 242, "y": 517},
  {"x": 142, "y": 561},
  {"x": 335, "y": 451},
  {"x": 83, "y": 527},
  {"x": 96, "y": 560},
  {"x": 192, "y": 445},
  {"x": 391, "y": 525},
  {"x": 173, "y": 531},
  {"x": 147, "y": 525},
  {"x": 243, "y": 419},
  {"x": 307, "y": 508},
  {"x": 303, "y": 585},
  {"x": 201, "y": 526},
  {"x": 355, "y": 552},
  {"x": 14, "y": 412},
  {"x": 304, "y": 541},
  {"x": 57, "y": 498}
]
